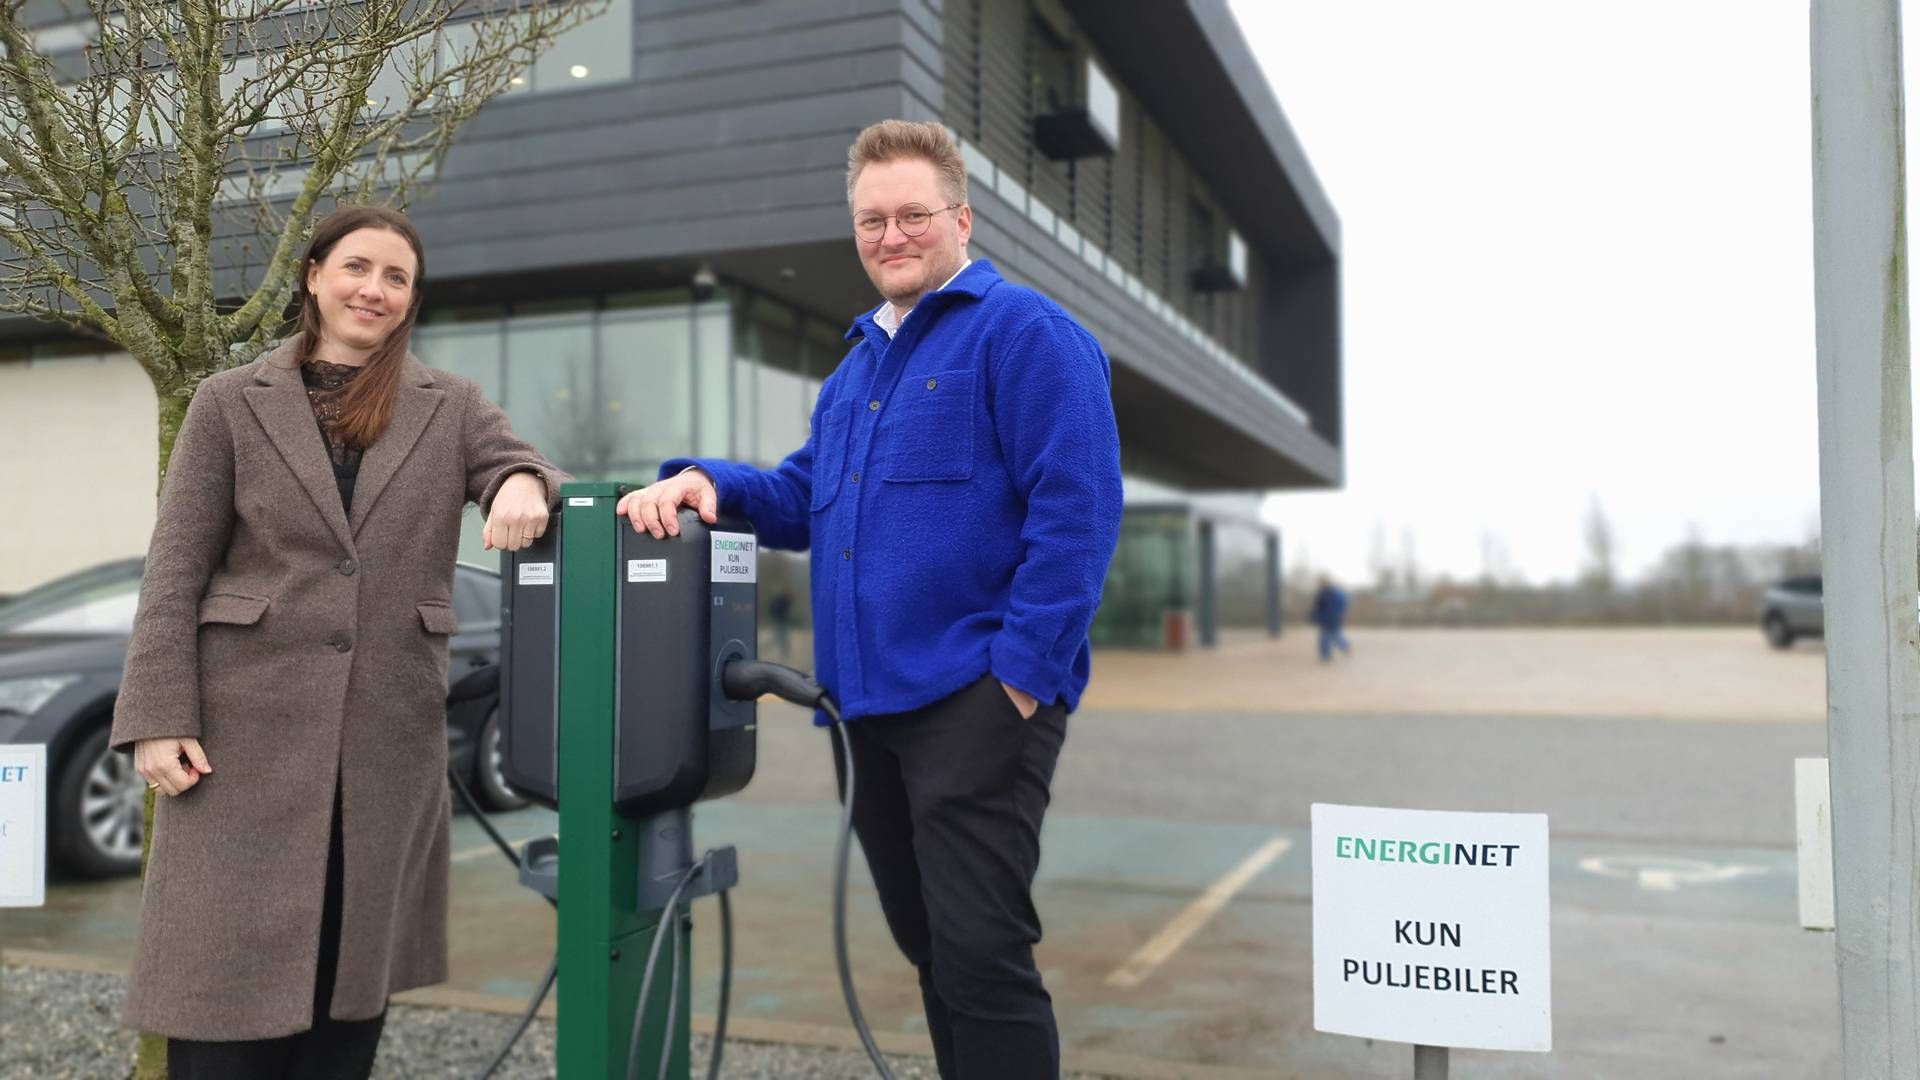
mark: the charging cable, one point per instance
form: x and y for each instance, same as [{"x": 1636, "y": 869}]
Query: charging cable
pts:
[
  {"x": 546, "y": 985},
  {"x": 745, "y": 680},
  {"x": 742, "y": 680}
]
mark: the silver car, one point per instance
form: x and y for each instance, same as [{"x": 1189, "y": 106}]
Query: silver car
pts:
[{"x": 1791, "y": 609}]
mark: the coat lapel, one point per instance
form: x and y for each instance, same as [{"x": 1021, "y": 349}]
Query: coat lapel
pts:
[
  {"x": 279, "y": 400},
  {"x": 414, "y": 402}
]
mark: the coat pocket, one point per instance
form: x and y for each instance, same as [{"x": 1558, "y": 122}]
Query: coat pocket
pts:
[
  {"x": 235, "y": 609},
  {"x": 932, "y": 434},
  {"x": 829, "y": 454},
  {"x": 438, "y": 618}
]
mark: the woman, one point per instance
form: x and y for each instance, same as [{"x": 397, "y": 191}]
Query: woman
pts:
[{"x": 285, "y": 683}]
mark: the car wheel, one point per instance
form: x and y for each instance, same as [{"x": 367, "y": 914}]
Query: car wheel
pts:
[
  {"x": 489, "y": 778},
  {"x": 98, "y": 808},
  {"x": 1779, "y": 634}
]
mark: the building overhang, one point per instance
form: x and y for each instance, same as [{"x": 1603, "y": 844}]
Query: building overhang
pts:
[{"x": 1189, "y": 59}]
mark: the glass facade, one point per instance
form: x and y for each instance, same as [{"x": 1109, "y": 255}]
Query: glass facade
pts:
[
  {"x": 1150, "y": 581},
  {"x": 608, "y": 387},
  {"x": 1181, "y": 574},
  {"x": 1241, "y": 574}
]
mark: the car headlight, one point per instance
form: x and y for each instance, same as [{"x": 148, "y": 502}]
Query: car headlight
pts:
[{"x": 25, "y": 695}]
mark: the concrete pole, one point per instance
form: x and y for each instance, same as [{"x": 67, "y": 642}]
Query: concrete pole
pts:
[
  {"x": 1867, "y": 527},
  {"x": 1209, "y": 613},
  {"x": 1274, "y": 583}
]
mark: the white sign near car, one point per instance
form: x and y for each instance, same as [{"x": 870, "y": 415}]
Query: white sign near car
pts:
[
  {"x": 23, "y": 826},
  {"x": 1430, "y": 927}
]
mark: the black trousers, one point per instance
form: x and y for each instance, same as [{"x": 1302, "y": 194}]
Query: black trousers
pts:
[
  {"x": 330, "y": 1050},
  {"x": 947, "y": 805}
]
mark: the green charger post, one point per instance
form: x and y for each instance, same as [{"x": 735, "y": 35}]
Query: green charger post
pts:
[
  {"x": 603, "y": 937},
  {"x": 613, "y": 644}
]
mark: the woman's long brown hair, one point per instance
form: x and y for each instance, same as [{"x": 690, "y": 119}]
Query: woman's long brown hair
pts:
[{"x": 368, "y": 403}]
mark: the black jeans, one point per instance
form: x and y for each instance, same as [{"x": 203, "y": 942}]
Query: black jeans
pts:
[
  {"x": 330, "y": 1050},
  {"x": 947, "y": 803}
]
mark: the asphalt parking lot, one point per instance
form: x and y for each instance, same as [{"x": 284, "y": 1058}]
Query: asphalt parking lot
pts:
[{"x": 1676, "y": 949}]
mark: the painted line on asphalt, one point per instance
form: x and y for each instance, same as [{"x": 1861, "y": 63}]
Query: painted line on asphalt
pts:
[{"x": 1161, "y": 947}]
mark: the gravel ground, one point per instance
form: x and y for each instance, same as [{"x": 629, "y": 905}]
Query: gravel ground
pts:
[{"x": 57, "y": 1025}]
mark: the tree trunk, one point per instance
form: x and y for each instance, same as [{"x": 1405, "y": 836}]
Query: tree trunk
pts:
[{"x": 150, "y": 1057}]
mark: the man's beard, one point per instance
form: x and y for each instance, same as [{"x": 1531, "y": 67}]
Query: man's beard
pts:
[{"x": 934, "y": 277}]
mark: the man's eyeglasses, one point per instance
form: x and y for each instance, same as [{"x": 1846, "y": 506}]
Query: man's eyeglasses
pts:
[{"x": 913, "y": 219}]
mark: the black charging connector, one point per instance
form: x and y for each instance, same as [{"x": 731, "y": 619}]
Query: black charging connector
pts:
[{"x": 745, "y": 680}]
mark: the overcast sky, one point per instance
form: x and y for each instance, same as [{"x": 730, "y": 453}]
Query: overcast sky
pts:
[{"x": 1578, "y": 265}]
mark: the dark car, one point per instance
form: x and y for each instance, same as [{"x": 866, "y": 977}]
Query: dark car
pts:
[
  {"x": 1791, "y": 609},
  {"x": 62, "y": 647}
]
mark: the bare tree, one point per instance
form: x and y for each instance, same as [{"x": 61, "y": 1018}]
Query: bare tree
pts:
[
  {"x": 157, "y": 184},
  {"x": 161, "y": 161},
  {"x": 1380, "y": 560},
  {"x": 1410, "y": 575},
  {"x": 1805, "y": 558},
  {"x": 1597, "y": 530},
  {"x": 1496, "y": 561}
]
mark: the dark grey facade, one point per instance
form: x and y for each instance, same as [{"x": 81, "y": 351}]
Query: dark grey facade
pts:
[{"x": 727, "y": 147}]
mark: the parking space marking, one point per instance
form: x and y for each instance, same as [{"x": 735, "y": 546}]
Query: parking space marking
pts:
[
  {"x": 1195, "y": 915},
  {"x": 1662, "y": 873}
]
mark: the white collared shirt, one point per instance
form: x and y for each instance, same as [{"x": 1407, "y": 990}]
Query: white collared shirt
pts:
[{"x": 886, "y": 320}]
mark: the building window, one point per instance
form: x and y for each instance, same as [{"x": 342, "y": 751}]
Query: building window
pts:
[
  {"x": 1219, "y": 255},
  {"x": 476, "y": 350},
  {"x": 553, "y": 396},
  {"x": 1103, "y": 101},
  {"x": 598, "y": 51},
  {"x": 610, "y": 387},
  {"x": 1076, "y": 108},
  {"x": 648, "y": 381}
]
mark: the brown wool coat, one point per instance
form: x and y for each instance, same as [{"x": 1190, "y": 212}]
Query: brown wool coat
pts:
[{"x": 289, "y": 638}]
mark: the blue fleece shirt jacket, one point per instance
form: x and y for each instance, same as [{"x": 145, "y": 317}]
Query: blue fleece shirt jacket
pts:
[{"x": 960, "y": 493}]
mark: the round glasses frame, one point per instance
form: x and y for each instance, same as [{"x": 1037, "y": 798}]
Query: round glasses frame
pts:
[{"x": 912, "y": 220}]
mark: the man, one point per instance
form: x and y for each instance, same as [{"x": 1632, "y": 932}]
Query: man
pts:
[
  {"x": 960, "y": 492},
  {"x": 1329, "y": 611}
]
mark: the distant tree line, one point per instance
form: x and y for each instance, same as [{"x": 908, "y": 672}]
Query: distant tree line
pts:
[{"x": 1692, "y": 583}]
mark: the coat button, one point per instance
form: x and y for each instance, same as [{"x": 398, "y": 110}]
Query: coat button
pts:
[
  {"x": 342, "y": 643},
  {"x": 846, "y": 553},
  {"x": 873, "y": 406},
  {"x": 346, "y": 568},
  {"x": 856, "y": 478},
  {"x": 930, "y": 383}
]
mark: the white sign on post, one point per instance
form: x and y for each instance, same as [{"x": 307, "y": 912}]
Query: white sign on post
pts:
[
  {"x": 1430, "y": 927},
  {"x": 23, "y": 826}
]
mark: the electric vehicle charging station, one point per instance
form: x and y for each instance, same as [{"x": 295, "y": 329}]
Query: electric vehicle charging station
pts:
[{"x": 613, "y": 647}]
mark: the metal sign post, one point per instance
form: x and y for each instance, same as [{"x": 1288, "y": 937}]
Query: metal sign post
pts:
[
  {"x": 1429, "y": 1063},
  {"x": 1867, "y": 527}
]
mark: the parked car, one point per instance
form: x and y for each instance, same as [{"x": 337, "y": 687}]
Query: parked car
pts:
[
  {"x": 1791, "y": 609},
  {"x": 62, "y": 648}
]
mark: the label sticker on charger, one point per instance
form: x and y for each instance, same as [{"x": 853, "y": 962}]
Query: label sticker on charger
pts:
[
  {"x": 536, "y": 573},
  {"x": 646, "y": 570},
  {"x": 579, "y": 501},
  {"x": 733, "y": 558}
]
